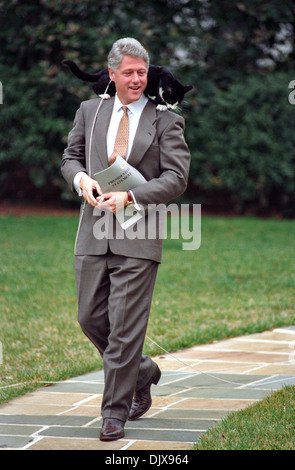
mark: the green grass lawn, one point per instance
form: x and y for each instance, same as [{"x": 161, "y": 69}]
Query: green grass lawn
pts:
[
  {"x": 241, "y": 280},
  {"x": 266, "y": 425}
]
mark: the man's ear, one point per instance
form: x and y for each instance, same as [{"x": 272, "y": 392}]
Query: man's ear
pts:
[{"x": 111, "y": 74}]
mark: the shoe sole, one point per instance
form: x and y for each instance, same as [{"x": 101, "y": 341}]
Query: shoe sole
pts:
[{"x": 106, "y": 438}]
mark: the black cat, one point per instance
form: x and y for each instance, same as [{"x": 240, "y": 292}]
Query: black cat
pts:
[{"x": 162, "y": 88}]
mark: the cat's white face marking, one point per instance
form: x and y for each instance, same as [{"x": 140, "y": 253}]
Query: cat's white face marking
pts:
[{"x": 172, "y": 106}]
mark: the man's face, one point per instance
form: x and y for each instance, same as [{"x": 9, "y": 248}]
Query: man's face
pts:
[{"x": 130, "y": 79}]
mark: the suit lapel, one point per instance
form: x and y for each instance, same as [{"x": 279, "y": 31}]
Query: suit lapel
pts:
[
  {"x": 100, "y": 133},
  {"x": 144, "y": 135}
]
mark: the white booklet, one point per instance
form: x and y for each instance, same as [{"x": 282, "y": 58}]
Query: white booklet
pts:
[{"x": 121, "y": 176}]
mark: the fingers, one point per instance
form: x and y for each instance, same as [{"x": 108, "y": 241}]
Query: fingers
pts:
[
  {"x": 113, "y": 201},
  {"x": 90, "y": 190}
]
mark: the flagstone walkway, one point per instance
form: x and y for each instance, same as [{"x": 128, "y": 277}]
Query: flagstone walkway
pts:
[{"x": 198, "y": 387}]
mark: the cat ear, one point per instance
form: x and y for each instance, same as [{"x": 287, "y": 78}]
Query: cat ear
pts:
[{"x": 188, "y": 88}]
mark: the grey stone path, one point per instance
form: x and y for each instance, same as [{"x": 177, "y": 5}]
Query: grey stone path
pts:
[{"x": 198, "y": 387}]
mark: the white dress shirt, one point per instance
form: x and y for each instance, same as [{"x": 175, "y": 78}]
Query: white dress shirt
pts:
[{"x": 134, "y": 112}]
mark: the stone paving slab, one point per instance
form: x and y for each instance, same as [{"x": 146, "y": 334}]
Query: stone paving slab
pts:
[{"x": 199, "y": 387}]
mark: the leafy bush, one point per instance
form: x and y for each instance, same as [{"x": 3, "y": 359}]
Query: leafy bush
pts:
[
  {"x": 34, "y": 118},
  {"x": 242, "y": 143}
]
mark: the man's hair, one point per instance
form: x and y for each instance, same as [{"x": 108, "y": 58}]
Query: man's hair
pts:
[{"x": 126, "y": 46}]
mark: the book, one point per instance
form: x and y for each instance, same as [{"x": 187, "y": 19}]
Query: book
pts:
[{"x": 121, "y": 176}]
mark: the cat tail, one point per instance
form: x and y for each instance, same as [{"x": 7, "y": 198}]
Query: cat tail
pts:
[{"x": 86, "y": 77}]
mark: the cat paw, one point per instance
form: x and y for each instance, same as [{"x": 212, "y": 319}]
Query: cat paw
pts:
[
  {"x": 162, "y": 107},
  {"x": 105, "y": 96}
]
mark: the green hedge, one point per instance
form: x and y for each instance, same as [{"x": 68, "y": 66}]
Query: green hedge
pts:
[
  {"x": 34, "y": 124},
  {"x": 243, "y": 147}
]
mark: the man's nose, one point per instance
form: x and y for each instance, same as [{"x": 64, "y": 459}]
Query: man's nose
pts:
[{"x": 135, "y": 77}]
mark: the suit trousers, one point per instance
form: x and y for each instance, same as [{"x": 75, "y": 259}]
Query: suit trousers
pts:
[{"x": 114, "y": 300}]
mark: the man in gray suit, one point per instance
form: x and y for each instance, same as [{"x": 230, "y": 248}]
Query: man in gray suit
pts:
[{"x": 115, "y": 270}]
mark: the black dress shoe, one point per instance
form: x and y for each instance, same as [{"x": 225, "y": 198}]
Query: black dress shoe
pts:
[
  {"x": 142, "y": 400},
  {"x": 112, "y": 429}
]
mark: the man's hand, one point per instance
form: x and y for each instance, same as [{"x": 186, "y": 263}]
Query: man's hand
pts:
[
  {"x": 89, "y": 188},
  {"x": 113, "y": 201}
]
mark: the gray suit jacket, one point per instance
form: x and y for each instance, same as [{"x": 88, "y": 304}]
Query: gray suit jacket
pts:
[{"x": 159, "y": 152}]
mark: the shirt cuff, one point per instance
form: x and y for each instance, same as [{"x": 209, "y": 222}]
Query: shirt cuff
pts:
[
  {"x": 76, "y": 182},
  {"x": 135, "y": 203}
]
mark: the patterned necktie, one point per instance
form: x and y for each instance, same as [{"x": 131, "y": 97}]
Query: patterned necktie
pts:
[{"x": 121, "y": 143}]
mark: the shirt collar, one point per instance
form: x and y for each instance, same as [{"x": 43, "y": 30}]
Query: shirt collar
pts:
[{"x": 135, "y": 107}]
